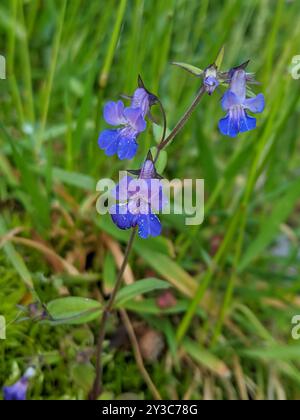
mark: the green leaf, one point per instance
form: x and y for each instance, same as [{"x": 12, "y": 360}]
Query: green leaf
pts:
[
  {"x": 220, "y": 57},
  {"x": 73, "y": 310},
  {"x": 83, "y": 375},
  {"x": 206, "y": 358},
  {"x": 276, "y": 352},
  {"x": 170, "y": 270},
  {"x": 149, "y": 306},
  {"x": 138, "y": 288},
  {"x": 188, "y": 67},
  {"x": 75, "y": 179},
  {"x": 16, "y": 259},
  {"x": 157, "y": 132},
  {"x": 109, "y": 273},
  {"x": 270, "y": 225},
  {"x": 38, "y": 205}
]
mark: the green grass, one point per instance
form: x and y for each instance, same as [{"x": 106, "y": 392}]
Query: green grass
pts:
[{"x": 229, "y": 336}]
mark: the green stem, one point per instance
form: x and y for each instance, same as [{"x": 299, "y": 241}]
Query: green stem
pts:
[{"x": 52, "y": 70}]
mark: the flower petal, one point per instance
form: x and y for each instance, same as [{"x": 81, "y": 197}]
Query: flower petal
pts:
[
  {"x": 121, "y": 216},
  {"x": 134, "y": 117},
  {"x": 228, "y": 126},
  {"x": 127, "y": 148},
  {"x": 149, "y": 225},
  {"x": 238, "y": 84},
  {"x": 138, "y": 206},
  {"x": 140, "y": 100},
  {"x": 246, "y": 123},
  {"x": 114, "y": 113},
  {"x": 229, "y": 99},
  {"x": 255, "y": 105},
  {"x": 157, "y": 199},
  {"x": 108, "y": 141},
  {"x": 17, "y": 391}
]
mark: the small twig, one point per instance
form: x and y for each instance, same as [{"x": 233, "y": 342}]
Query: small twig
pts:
[{"x": 138, "y": 355}]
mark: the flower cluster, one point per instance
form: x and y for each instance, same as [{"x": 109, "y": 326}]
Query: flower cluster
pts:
[
  {"x": 139, "y": 200},
  {"x": 136, "y": 210}
]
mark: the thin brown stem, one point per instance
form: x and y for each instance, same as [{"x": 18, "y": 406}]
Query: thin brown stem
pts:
[
  {"x": 181, "y": 123},
  {"x": 138, "y": 356},
  {"x": 97, "y": 387},
  {"x": 162, "y": 109}
]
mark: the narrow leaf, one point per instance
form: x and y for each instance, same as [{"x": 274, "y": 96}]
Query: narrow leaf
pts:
[
  {"x": 191, "y": 69},
  {"x": 73, "y": 310},
  {"x": 206, "y": 358},
  {"x": 220, "y": 57},
  {"x": 270, "y": 225},
  {"x": 138, "y": 288}
]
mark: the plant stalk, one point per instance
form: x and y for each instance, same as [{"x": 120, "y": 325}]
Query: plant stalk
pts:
[
  {"x": 97, "y": 387},
  {"x": 181, "y": 123}
]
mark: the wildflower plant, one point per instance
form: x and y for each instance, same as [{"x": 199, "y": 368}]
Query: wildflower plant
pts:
[{"x": 136, "y": 208}]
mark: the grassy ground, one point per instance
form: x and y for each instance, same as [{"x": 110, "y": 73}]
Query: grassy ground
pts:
[{"x": 64, "y": 60}]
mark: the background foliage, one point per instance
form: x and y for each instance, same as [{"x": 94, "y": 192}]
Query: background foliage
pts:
[{"x": 64, "y": 60}]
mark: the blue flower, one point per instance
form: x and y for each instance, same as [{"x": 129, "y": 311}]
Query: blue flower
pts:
[
  {"x": 18, "y": 391},
  {"x": 139, "y": 199},
  {"x": 121, "y": 141},
  {"x": 235, "y": 103}
]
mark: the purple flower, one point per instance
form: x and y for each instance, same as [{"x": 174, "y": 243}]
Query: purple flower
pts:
[
  {"x": 18, "y": 391},
  {"x": 122, "y": 140},
  {"x": 139, "y": 199},
  {"x": 235, "y": 103},
  {"x": 141, "y": 99}
]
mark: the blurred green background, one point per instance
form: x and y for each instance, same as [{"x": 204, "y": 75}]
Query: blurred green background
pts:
[{"x": 234, "y": 281}]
